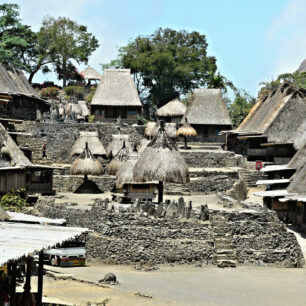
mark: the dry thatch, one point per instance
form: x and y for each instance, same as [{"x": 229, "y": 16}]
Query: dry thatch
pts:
[
  {"x": 161, "y": 161},
  {"x": 116, "y": 144},
  {"x": 86, "y": 164},
  {"x": 142, "y": 145},
  {"x": 299, "y": 159},
  {"x": 124, "y": 174},
  {"x": 90, "y": 73},
  {"x": 298, "y": 182},
  {"x": 207, "y": 107},
  {"x": 302, "y": 67},
  {"x": 116, "y": 88},
  {"x": 4, "y": 215},
  {"x": 186, "y": 130},
  {"x": 153, "y": 128},
  {"x": 174, "y": 108},
  {"x": 8, "y": 147},
  {"x": 120, "y": 158},
  {"x": 94, "y": 144}
]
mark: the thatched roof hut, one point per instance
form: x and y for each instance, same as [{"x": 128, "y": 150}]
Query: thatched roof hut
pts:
[
  {"x": 86, "y": 164},
  {"x": 298, "y": 182},
  {"x": 186, "y": 130},
  {"x": 116, "y": 88},
  {"x": 120, "y": 158},
  {"x": 94, "y": 144},
  {"x": 207, "y": 107},
  {"x": 173, "y": 109},
  {"x": 116, "y": 145},
  {"x": 90, "y": 73},
  {"x": 161, "y": 161},
  {"x": 116, "y": 96},
  {"x": 9, "y": 148}
]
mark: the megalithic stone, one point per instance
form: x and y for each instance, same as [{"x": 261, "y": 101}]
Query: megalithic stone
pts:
[{"x": 181, "y": 207}]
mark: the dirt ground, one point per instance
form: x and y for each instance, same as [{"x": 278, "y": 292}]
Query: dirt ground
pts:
[{"x": 182, "y": 285}]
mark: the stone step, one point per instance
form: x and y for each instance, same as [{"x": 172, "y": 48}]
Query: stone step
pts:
[
  {"x": 224, "y": 263},
  {"x": 225, "y": 252}
]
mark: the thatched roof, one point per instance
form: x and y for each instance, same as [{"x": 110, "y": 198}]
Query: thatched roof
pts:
[
  {"x": 161, "y": 161},
  {"x": 280, "y": 115},
  {"x": 116, "y": 88},
  {"x": 298, "y": 183},
  {"x": 9, "y": 147},
  {"x": 152, "y": 129},
  {"x": 120, "y": 158},
  {"x": 174, "y": 108},
  {"x": 207, "y": 107},
  {"x": 90, "y": 73},
  {"x": 289, "y": 124},
  {"x": 299, "y": 159},
  {"x": 142, "y": 145},
  {"x": 302, "y": 67},
  {"x": 116, "y": 144},
  {"x": 124, "y": 174},
  {"x": 13, "y": 81},
  {"x": 86, "y": 164},
  {"x": 186, "y": 130},
  {"x": 94, "y": 144}
]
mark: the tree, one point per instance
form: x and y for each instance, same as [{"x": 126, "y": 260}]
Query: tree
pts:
[
  {"x": 216, "y": 80},
  {"x": 166, "y": 64},
  {"x": 241, "y": 106},
  {"x": 15, "y": 37},
  {"x": 67, "y": 41}
]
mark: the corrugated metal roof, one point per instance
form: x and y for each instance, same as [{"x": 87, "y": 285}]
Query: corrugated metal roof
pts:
[
  {"x": 271, "y": 182},
  {"x": 20, "y": 217},
  {"x": 18, "y": 239}
]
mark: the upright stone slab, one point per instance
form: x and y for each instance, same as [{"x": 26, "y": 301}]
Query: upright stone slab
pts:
[{"x": 181, "y": 207}]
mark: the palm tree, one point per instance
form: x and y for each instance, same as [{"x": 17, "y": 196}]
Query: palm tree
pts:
[{"x": 216, "y": 80}]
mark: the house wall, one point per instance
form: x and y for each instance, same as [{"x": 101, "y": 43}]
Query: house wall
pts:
[
  {"x": 209, "y": 133},
  {"x": 24, "y": 108},
  {"x": 12, "y": 180},
  {"x": 113, "y": 112}
]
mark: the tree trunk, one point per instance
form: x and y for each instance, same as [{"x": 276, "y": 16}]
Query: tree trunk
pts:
[{"x": 31, "y": 76}]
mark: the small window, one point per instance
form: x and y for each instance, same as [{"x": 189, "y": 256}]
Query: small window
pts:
[{"x": 131, "y": 113}]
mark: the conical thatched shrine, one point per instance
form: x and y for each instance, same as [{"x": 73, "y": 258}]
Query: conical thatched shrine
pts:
[{"x": 161, "y": 161}]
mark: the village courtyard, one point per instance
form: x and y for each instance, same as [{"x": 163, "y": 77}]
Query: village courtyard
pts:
[{"x": 152, "y": 158}]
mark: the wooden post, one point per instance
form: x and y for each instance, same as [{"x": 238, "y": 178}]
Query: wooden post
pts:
[
  {"x": 27, "y": 286},
  {"x": 160, "y": 191},
  {"x": 185, "y": 142},
  {"x": 13, "y": 267},
  {"x": 40, "y": 278}
]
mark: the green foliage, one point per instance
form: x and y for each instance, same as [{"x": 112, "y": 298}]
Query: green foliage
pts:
[
  {"x": 166, "y": 64},
  {"x": 90, "y": 95},
  {"x": 67, "y": 41},
  {"x": 91, "y": 118},
  {"x": 49, "y": 92},
  {"x": 216, "y": 80},
  {"x": 74, "y": 91},
  {"x": 14, "y": 201},
  {"x": 240, "y": 107},
  {"x": 296, "y": 79},
  {"x": 15, "y": 38},
  {"x": 141, "y": 120}
]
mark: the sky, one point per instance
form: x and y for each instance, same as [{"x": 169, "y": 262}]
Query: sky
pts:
[{"x": 253, "y": 41}]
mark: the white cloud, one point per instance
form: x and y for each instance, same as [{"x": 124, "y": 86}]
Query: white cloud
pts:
[{"x": 286, "y": 38}]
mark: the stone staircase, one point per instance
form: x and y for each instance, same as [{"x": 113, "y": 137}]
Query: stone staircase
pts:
[
  {"x": 231, "y": 162},
  {"x": 251, "y": 176},
  {"x": 225, "y": 256}
]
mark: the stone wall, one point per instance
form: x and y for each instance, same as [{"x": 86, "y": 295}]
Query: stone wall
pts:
[
  {"x": 134, "y": 234},
  {"x": 59, "y": 138}
]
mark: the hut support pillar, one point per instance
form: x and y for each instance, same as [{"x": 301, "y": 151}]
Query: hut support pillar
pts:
[
  {"x": 160, "y": 191},
  {"x": 40, "y": 278},
  {"x": 12, "y": 270},
  {"x": 185, "y": 138},
  {"x": 27, "y": 286}
]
